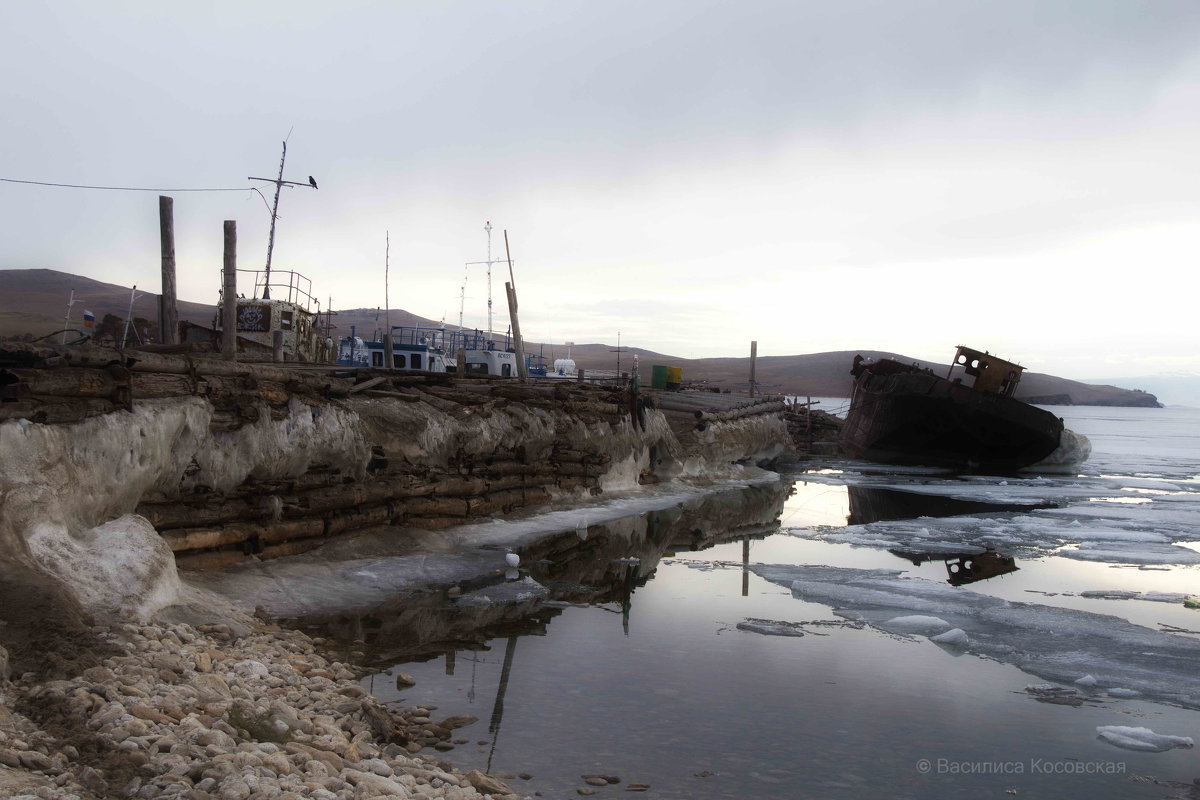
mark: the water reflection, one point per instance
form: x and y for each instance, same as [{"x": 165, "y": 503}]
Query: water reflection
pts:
[
  {"x": 964, "y": 568},
  {"x": 868, "y": 504},
  {"x": 600, "y": 565}
]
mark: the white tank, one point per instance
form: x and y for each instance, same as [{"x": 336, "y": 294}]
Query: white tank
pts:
[{"x": 564, "y": 366}]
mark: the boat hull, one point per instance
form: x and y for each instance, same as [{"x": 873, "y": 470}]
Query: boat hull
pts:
[{"x": 917, "y": 418}]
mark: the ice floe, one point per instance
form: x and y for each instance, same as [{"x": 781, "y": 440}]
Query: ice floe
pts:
[
  {"x": 1058, "y": 644},
  {"x": 1141, "y": 739}
]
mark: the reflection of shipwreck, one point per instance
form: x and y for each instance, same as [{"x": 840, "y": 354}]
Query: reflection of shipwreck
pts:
[
  {"x": 904, "y": 414},
  {"x": 871, "y": 504},
  {"x": 962, "y": 568}
]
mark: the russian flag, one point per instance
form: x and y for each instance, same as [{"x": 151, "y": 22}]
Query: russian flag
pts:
[{"x": 89, "y": 319}]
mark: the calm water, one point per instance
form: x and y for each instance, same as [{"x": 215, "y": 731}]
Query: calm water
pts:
[{"x": 638, "y": 669}]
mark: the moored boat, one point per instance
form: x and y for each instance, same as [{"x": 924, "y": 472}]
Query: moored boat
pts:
[{"x": 905, "y": 414}]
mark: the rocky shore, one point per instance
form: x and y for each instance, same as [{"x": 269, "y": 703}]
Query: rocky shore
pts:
[{"x": 238, "y": 710}]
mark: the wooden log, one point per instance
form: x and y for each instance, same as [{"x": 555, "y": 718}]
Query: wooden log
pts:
[
  {"x": 57, "y": 382},
  {"x": 356, "y": 520},
  {"x": 331, "y": 498},
  {"x": 369, "y": 384},
  {"x": 168, "y": 313},
  {"x": 56, "y": 410},
  {"x": 440, "y": 507},
  {"x": 404, "y": 396},
  {"x": 186, "y": 539},
  {"x": 155, "y": 384},
  {"x": 217, "y": 559},
  {"x": 165, "y": 516},
  {"x": 461, "y": 487},
  {"x": 229, "y": 294},
  {"x": 239, "y": 532}
]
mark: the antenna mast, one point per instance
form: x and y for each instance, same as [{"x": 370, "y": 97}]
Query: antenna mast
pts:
[
  {"x": 279, "y": 184},
  {"x": 488, "y": 228},
  {"x": 489, "y": 262}
]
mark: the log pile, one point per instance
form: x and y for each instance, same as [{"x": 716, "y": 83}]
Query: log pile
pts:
[
  {"x": 269, "y": 520},
  {"x": 48, "y": 384},
  {"x": 695, "y": 411},
  {"x": 813, "y": 432}
]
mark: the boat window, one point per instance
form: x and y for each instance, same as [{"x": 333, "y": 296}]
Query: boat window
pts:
[
  {"x": 376, "y": 359},
  {"x": 506, "y": 370},
  {"x": 285, "y": 320},
  {"x": 414, "y": 361}
]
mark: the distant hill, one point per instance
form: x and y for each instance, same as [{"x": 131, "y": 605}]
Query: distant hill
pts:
[
  {"x": 1171, "y": 388},
  {"x": 34, "y": 301}
]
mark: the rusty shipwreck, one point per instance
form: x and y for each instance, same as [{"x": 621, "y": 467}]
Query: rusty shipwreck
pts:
[{"x": 905, "y": 414}]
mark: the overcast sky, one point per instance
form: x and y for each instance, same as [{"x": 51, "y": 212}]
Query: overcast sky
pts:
[{"x": 1022, "y": 177}]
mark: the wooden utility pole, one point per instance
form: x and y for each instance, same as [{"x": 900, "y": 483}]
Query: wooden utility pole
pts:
[
  {"x": 229, "y": 294},
  {"x": 511, "y": 291},
  {"x": 168, "y": 313},
  {"x": 388, "y": 345},
  {"x": 753, "y": 364}
]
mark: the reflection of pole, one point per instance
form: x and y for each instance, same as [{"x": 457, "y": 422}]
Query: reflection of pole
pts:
[
  {"x": 510, "y": 649},
  {"x": 449, "y": 662},
  {"x": 627, "y": 597},
  {"x": 745, "y": 566}
]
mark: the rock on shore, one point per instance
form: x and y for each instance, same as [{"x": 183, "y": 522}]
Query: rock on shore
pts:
[{"x": 237, "y": 711}]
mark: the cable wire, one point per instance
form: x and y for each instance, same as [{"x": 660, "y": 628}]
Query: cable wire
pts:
[{"x": 126, "y": 188}]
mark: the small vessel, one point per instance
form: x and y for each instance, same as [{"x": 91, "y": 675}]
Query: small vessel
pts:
[
  {"x": 414, "y": 349},
  {"x": 905, "y": 414},
  {"x": 292, "y": 315}
]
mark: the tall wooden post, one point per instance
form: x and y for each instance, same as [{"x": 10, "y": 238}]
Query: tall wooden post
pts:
[
  {"x": 229, "y": 294},
  {"x": 753, "y": 364},
  {"x": 168, "y": 314},
  {"x": 522, "y": 370},
  {"x": 389, "y": 350}
]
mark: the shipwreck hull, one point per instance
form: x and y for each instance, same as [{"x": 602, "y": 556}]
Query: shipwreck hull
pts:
[{"x": 919, "y": 419}]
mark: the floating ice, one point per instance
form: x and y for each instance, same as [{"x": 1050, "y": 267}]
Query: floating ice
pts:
[
  {"x": 1087, "y": 682},
  {"x": 1117, "y": 691},
  {"x": 955, "y": 636},
  {"x": 1140, "y": 738},
  {"x": 916, "y": 623},
  {"x": 1058, "y": 644},
  {"x": 1129, "y": 594},
  {"x": 769, "y": 628}
]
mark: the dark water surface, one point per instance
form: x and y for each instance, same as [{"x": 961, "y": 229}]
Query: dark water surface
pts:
[
  {"x": 647, "y": 678},
  {"x": 636, "y": 668}
]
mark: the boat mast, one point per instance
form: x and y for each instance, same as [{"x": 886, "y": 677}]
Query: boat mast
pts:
[
  {"x": 279, "y": 184},
  {"x": 488, "y": 228}
]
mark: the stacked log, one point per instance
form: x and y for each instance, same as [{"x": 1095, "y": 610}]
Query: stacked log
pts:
[{"x": 812, "y": 432}]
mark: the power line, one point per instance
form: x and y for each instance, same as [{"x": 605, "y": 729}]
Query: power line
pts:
[{"x": 126, "y": 188}]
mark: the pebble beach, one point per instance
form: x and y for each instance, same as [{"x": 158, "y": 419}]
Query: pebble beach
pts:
[{"x": 243, "y": 710}]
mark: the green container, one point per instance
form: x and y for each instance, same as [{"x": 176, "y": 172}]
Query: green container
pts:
[{"x": 658, "y": 377}]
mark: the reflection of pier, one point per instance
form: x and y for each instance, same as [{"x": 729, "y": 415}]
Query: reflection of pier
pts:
[
  {"x": 965, "y": 568},
  {"x": 600, "y": 565}
]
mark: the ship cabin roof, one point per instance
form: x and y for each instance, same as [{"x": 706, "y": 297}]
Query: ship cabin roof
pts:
[{"x": 991, "y": 373}]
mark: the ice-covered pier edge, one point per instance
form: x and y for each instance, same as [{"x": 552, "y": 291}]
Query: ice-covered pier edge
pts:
[{"x": 100, "y": 506}]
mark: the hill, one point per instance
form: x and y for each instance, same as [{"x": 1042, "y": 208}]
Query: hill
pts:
[{"x": 34, "y": 301}]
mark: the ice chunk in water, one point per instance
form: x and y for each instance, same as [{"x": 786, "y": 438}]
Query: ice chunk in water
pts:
[
  {"x": 1140, "y": 738},
  {"x": 1054, "y": 643},
  {"x": 955, "y": 636},
  {"x": 916, "y": 623}
]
